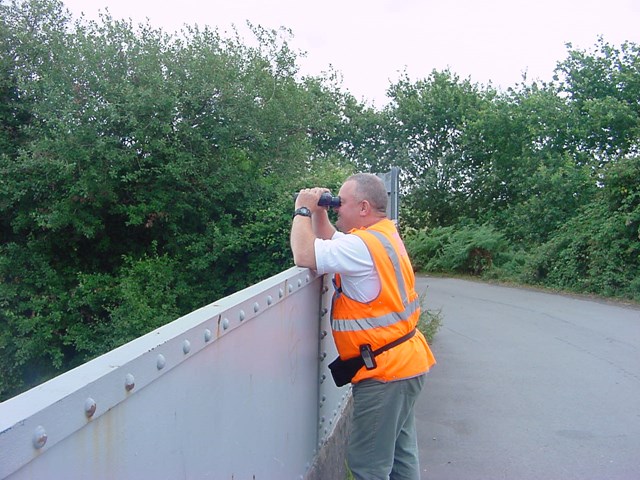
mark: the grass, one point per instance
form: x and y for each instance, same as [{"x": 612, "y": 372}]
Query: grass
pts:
[
  {"x": 429, "y": 321},
  {"x": 349, "y": 474}
]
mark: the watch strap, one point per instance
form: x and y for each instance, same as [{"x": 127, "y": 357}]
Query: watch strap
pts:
[{"x": 304, "y": 211}]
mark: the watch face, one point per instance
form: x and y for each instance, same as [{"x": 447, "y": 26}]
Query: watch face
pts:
[{"x": 304, "y": 211}]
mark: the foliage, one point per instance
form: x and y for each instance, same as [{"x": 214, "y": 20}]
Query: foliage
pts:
[
  {"x": 468, "y": 249},
  {"x": 428, "y": 123},
  {"x": 142, "y": 175},
  {"x": 550, "y": 168},
  {"x": 429, "y": 321},
  {"x": 603, "y": 87},
  {"x": 598, "y": 251}
]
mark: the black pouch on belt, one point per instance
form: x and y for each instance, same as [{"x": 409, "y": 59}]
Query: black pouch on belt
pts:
[{"x": 343, "y": 371}]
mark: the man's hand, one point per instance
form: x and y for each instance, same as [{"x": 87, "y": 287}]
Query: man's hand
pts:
[{"x": 309, "y": 197}]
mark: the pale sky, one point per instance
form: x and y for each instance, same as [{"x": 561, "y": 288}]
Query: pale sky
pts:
[{"x": 370, "y": 42}]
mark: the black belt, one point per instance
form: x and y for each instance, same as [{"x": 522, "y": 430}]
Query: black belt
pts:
[
  {"x": 344, "y": 370},
  {"x": 395, "y": 343}
]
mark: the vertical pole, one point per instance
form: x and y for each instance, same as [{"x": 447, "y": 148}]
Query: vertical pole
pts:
[{"x": 391, "y": 181}]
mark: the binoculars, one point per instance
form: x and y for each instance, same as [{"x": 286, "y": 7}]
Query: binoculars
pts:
[{"x": 326, "y": 200}]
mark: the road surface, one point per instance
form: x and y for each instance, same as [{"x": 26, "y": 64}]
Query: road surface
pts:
[{"x": 529, "y": 385}]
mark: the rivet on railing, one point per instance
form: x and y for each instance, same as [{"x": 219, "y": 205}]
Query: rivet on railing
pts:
[
  {"x": 207, "y": 335},
  {"x": 323, "y": 355},
  {"x": 325, "y": 289},
  {"x": 281, "y": 292},
  {"x": 307, "y": 279},
  {"x": 129, "y": 382},
  {"x": 299, "y": 282},
  {"x": 186, "y": 347},
  {"x": 269, "y": 300},
  {"x": 323, "y": 312},
  {"x": 290, "y": 288},
  {"x": 160, "y": 362},
  {"x": 39, "y": 437},
  {"x": 225, "y": 323},
  {"x": 256, "y": 307},
  {"x": 242, "y": 315},
  {"x": 90, "y": 407},
  {"x": 323, "y": 334}
]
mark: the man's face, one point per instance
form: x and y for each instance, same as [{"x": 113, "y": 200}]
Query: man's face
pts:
[{"x": 349, "y": 209}]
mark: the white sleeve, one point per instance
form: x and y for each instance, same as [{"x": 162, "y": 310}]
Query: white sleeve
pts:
[
  {"x": 349, "y": 256},
  {"x": 343, "y": 254}
]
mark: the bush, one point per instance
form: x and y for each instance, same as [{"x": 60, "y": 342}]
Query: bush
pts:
[
  {"x": 470, "y": 249},
  {"x": 593, "y": 253},
  {"x": 429, "y": 321}
]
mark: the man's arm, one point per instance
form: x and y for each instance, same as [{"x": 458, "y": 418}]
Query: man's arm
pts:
[
  {"x": 321, "y": 225},
  {"x": 305, "y": 230},
  {"x": 302, "y": 242}
]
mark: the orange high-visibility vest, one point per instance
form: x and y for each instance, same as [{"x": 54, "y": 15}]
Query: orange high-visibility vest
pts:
[{"x": 392, "y": 314}]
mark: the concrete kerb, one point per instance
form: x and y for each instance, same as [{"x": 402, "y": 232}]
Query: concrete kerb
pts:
[{"x": 331, "y": 460}]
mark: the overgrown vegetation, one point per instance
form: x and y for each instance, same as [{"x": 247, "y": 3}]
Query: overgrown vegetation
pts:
[
  {"x": 145, "y": 174},
  {"x": 429, "y": 321}
]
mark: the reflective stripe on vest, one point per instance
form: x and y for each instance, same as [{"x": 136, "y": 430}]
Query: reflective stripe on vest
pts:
[
  {"x": 375, "y": 322},
  {"x": 393, "y": 256}
]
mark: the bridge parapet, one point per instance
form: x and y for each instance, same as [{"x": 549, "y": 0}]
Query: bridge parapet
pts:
[{"x": 237, "y": 389}]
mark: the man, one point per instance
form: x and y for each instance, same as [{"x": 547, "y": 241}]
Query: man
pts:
[{"x": 374, "y": 304}]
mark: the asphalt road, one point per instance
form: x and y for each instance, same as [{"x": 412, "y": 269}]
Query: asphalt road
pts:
[{"x": 529, "y": 385}]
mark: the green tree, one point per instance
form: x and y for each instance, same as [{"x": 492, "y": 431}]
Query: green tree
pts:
[
  {"x": 154, "y": 174},
  {"x": 597, "y": 251},
  {"x": 429, "y": 121},
  {"x": 531, "y": 180},
  {"x": 537, "y": 163},
  {"x": 603, "y": 87}
]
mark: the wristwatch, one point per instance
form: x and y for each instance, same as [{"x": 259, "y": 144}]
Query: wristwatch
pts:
[{"x": 304, "y": 211}]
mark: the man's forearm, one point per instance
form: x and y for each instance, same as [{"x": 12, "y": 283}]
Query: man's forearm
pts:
[
  {"x": 305, "y": 230},
  {"x": 302, "y": 242},
  {"x": 321, "y": 225}
]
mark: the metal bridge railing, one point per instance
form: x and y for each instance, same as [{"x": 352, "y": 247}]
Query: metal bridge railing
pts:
[{"x": 238, "y": 389}]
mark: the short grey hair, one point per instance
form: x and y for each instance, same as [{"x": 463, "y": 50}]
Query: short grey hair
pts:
[{"x": 370, "y": 187}]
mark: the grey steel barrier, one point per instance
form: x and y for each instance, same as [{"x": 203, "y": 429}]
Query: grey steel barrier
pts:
[{"x": 238, "y": 389}]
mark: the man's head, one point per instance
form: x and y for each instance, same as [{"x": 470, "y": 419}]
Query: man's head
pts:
[{"x": 363, "y": 199}]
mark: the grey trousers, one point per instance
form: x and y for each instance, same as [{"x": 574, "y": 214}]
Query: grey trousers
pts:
[{"x": 383, "y": 443}]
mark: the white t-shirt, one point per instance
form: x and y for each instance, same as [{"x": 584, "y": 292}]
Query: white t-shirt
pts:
[{"x": 349, "y": 256}]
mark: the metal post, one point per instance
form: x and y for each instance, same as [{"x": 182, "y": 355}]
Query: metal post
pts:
[{"x": 391, "y": 181}]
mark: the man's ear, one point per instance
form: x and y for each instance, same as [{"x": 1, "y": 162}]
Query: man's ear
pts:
[{"x": 365, "y": 208}]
